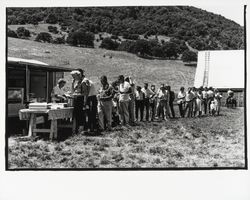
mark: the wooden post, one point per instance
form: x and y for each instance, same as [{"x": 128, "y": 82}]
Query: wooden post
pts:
[
  {"x": 27, "y": 77},
  {"x": 47, "y": 87},
  {"x": 32, "y": 124},
  {"x": 53, "y": 129}
]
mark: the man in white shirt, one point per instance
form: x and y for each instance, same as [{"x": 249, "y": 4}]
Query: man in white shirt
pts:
[
  {"x": 91, "y": 105},
  {"x": 124, "y": 90},
  {"x": 148, "y": 93},
  {"x": 210, "y": 97},
  {"x": 205, "y": 99}
]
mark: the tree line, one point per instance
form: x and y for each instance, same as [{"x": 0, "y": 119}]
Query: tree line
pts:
[{"x": 201, "y": 29}]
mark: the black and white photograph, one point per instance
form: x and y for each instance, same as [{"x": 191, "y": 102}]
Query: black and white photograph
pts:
[{"x": 125, "y": 88}]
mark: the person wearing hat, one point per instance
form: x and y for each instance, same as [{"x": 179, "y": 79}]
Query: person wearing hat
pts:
[
  {"x": 148, "y": 93},
  {"x": 57, "y": 94},
  {"x": 79, "y": 92}
]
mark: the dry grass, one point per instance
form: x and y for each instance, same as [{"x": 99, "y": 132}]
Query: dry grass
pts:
[{"x": 197, "y": 142}]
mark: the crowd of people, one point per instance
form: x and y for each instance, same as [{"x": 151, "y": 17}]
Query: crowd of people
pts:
[{"x": 122, "y": 102}]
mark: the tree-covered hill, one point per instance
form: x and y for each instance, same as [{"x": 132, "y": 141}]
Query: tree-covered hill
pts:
[{"x": 199, "y": 29}]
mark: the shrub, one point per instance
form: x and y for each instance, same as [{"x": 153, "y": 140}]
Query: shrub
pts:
[
  {"x": 53, "y": 29},
  {"x": 189, "y": 56},
  {"x": 81, "y": 38},
  {"x": 11, "y": 33},
  {"x": 22, "y": 32},
  {"x": 108, "y": 43},
  {"x": 44, "y": 37},
  {"x": 127, "y": 46},
  {"x": 158, "y": 51},
  {"x": 114, "y": 37},
  {"x": 170, "y": 50},
  {"x": 59, "y": 40},
  {"x": 51, "y": 19},
  {"x": 131, "y": 36}
]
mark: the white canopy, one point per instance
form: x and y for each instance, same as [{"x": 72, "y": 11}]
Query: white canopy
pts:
[{"x": 220, "y": 69}]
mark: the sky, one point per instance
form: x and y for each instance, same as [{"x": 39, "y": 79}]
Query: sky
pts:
[{"x": 232, "y": 12}]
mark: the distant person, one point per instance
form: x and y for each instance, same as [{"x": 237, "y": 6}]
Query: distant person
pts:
[
  {"x": 213, "y": 108},
  {"x": 91, "y": 107},
  {"x": 57, "y": 94},
  {"x": 171, "y": 100},
  {"x": 210, "y": 96},
  {"x": 131, "y": 106},
  {"x": 147, "y": 92},
  {"x": 167, "y": 101},
  {"x": 139, "y": 103},
  {"x": 189, "y": 102},
  {"x": 199, "y": 100},
  {"x": 153, "y": 102},
  {"x": 217, "y": 99},
  {"x": 181, "y": 101},
  {"x": 161, "y": 104},
  {"x": 79, "y": 94},
  {"x": 105, "y": 104},
  {"x": 194, "y": 107},
  {"x": 230, "y": 99},
  {"x": 124, "y": 90},
  {"x": 205, "y": 99}
]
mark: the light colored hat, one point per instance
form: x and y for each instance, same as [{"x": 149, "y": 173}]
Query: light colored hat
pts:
[{"x": 75, "y": 72}]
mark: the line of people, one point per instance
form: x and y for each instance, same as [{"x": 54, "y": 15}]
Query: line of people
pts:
[{"x": 122, "y": 102}]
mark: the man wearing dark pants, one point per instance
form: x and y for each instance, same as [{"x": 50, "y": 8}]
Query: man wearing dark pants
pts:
[
  {"x": 147, "y": 92},
  {"x": 91, "y": 107},
  {"x": 204, "y": 98},
  {"x": 171, "y": 101},
  {"x": 152, "y": 102},
  {"x": 139, "y": 103}
]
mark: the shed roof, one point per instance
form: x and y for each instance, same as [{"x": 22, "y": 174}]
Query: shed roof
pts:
[
  {"x": 36, "y": 64},
  {"x": 220, "y": 69}
]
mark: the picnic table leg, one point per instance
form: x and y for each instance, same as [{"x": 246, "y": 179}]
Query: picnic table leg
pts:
[
  {"x": 53, "y": 129},
  {"x": 32, "y": 124}
]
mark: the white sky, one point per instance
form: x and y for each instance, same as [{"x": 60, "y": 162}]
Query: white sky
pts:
[{"x": 232, "y": 12}]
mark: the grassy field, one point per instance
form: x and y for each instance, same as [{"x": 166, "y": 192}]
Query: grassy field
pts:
[
  {"x": 171, "y": 72},
  {"x": 194, "y": 142}
]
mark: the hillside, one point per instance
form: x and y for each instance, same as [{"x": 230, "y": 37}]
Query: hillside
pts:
[
  {"x": 201, "y": 29},
  {"x": 93, "y": 61}
]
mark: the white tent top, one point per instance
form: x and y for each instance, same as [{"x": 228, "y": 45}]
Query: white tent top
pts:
[
  {"x": 220, "y": 69},
  {"x": 21, "y": 60}
]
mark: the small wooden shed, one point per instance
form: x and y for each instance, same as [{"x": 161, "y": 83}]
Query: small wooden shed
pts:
[{"x": 28, "y": 80}]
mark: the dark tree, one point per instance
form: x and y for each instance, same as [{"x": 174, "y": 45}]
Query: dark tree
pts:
[
  {"x": 11, "y": 33},
  {"x": 108, "y": 43},
  {"x": 51, "y": 19},
  {"x": 22, "y": 32},
  {"x": 189, "y": 56},
  {"x": 81, "y": 38},
  {"x": 59, "y": 40},
  {"x": 170, "y": 50},
  {"x": 44, "y": 37},
  {"x": 142, "y": 47},
  {"x": 53, "y": 29}
]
